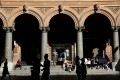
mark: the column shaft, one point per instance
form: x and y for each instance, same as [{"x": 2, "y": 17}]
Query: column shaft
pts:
[
  {"x": 43, "y": 45},
  {"x": 44, "y": 42},
  {"x": 115, "y": 46},
  {"x": 116, "y": 53},
  {"x": 8, "y": 45},
  {"x": 80, "y": 42}
]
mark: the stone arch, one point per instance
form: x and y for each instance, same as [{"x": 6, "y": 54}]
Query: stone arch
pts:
[
  {"x": 118, "y": 20},
  {"x": 68, "y": 11},
  {"x": 4, "y": 19},
  {"x": 31, "y": 11},
  {"x": 105, "y": 11}
]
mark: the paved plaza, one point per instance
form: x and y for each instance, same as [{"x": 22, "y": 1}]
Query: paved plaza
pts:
[{"x": 57, "y": 73}]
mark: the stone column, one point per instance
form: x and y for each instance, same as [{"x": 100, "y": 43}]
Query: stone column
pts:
[
  {"x": 79, "y": 45},
  {"x": 44, "y": 42},
  {"x": 116, "y": 52},
  {"x": 8, "y": 46}
]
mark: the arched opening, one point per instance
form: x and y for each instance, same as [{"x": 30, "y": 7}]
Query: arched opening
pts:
[
  {"x": 62, "y": 35},
  {"x": 2, "y": 40},
  {"x": 96, "y": 34},
  {"x": 28, "y": 36}
]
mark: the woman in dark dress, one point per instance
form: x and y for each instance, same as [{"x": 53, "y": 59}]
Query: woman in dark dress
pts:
[{"x": 5, "y": 70}]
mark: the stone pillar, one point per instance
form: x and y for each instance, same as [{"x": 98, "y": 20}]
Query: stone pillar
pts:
[
  {"x": 44, "y": 42},
  {"x": 8, "y": 46},
  {"x": 79, "y": 45},
  {"x": 116, "y": 52}
]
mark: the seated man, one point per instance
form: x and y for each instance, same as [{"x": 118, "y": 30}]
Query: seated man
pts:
[{"x": 18, "y": 64}]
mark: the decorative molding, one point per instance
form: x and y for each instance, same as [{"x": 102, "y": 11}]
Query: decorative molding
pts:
[
  {"x": 80, "y": 29},
  {"x": 8, "y": 10},
  {"x": 44, "y": 9},
  {"x": 115, "y": 28},
  {"x": 115, "y": 9},
  {"x": 44, "y": 29},
  {"x": 78, "y": 9},
  {"x": 8, "y": 29}
]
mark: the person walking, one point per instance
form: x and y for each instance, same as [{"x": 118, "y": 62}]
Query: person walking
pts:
[
  {"x": 55, "y": 55},
  {"x": 78, "y": 67},
  {"x": 35, "y": 70},
  {"x": 46, "y": 69},
  {"x": 5, "y": 70},
  {"x": 83, "y": 69}
]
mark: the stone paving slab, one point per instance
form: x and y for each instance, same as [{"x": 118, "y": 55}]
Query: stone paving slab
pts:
[
  {"x": 59, "y": 71},
  {"x": 69, "y": 77}
]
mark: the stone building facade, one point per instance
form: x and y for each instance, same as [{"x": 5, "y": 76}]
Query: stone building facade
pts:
[{"x": 44, "y": 10}]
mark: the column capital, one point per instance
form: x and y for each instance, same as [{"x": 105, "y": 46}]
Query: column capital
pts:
[
  {"x": 44, "y": 29},
  {"x": 80, "y": 28},
  {"x": 116, "y": 28},
  {"x": 8, "y": 29}
]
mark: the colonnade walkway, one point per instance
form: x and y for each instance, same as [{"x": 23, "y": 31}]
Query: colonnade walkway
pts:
[{"x": 57, "y": 73}]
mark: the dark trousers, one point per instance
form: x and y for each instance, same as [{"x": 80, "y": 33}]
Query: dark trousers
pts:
[
  {"x": 45, "y": 76},
  {"x": 79, "y": 76},
  {"x": 83, "y": 76}
]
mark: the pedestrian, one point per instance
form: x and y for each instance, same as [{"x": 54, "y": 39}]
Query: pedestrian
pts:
[
  {"x": 18, "y": 64},
  {"x": 78, "y": 67},
  {"x": 5, "y": 70},
  {"x": 35, "y": 70},
  {"x": 83, "y": 69},
  {"x": 55, "y": 55},
  {"x": 46, "y": 69}
]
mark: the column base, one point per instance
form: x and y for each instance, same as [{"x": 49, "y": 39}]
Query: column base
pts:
[
  {"x": 10, "y": 66},
  {"x": 116, "y": 65}
]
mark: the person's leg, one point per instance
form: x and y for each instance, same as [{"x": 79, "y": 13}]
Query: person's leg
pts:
[
  {"x": 53, "y": 62},
  {"x": 15, "y": 67},
  {"x": 83, "y": 76},
  {"x": 43, "y": 76},
  {"x": 3, "y": 75},
  {"x": 8, "y": 74},
  {"x": 47, "y": 77},
  {"x": 78, "y": 76}
]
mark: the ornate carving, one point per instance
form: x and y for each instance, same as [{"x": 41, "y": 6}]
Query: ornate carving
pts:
[
  {"x": 8, "y": 29},
  {"x": 44, "y": 9},
  {"x": 115, "y": 28},
  {"x": 115, "y": 9},
  {"x": 80, "y": 28},
  {"x": 25, "y": 8},
  {"x": 78, "y": 9},
  {"x": 8, "y": 10},
  {"x": 96, "y": 7},
  {"x": 60, "y": 9},
  {"x": 44, "y": 29}
]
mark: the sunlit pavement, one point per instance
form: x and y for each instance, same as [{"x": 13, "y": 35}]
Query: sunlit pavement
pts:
[{"x": 57, "y": 73}]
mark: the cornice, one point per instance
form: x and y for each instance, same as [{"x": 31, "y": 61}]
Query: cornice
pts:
[{"x": 56, "y": 3}]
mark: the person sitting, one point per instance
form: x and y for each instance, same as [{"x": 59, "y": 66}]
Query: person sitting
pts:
[
  {"x": 68, "y": 66},
  {"x": 18, "y": 64}
]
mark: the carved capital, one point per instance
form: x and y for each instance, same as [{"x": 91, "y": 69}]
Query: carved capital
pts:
[
  {"x": 115, "y": 28},
  {"x": 8, "y": 29},
  {"x": 80, "y": 29},
  {"x": 44, "y": 29}
]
